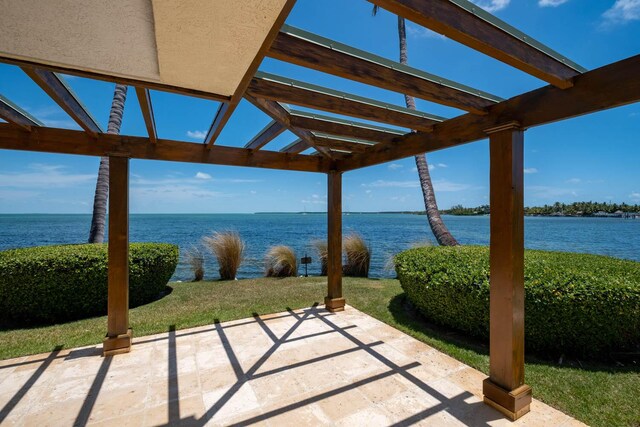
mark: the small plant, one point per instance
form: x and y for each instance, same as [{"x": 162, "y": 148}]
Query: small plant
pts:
[
  {"x": 195, "y": 259},
  {"x": 228, "y": 248},
  {"x": 321, "y": 249},
  {"x": 358, "y": 256},
  {"x": 281, "y": 261}
]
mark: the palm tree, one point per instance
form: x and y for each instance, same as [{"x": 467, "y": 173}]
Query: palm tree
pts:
[
  {"x": 438, "y": 227},
  {"x": 98, "y": 220}
]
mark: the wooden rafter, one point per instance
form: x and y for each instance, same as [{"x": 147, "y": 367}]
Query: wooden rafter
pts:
[
  {"x": 226, "y": 109},
  {"x": 471, "y": 25},
  {"x": 297, "y": 146},
  {"x": 610, "y": 86},
  {"x": 280, "y": 113},
  {"x": 266, "y": 135},
  {"x": 312, "y": 51},
  {"x": 335, "y": 142},
  {"x": 66, "y": 141},
  {"x": 58, "y": 90},
  {"x": 16, "y": 115},
  {"x": 276, "y": 88},
  {"x": 144, "y": 99},
  {"x": 337, "y": 126}
]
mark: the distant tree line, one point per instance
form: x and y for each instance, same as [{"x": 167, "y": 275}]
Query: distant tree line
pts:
[{"x": 572, "y": 209}]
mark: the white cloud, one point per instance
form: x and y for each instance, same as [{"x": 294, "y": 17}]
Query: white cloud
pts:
[
  {"x": 396, "y": 184},
  {"x": 420, "y": 32},
  {"x": 53, "y": 116},
  {"x": 253, "y": 192},
  {"x": 621, "y": 12},
  {"x": 492, "y": 5},
  {"x": 202, "y": 175},
  {"x": 44, "y": 176},
  {"x": 173, "y": 193},
  {"x": 395, "y": 166},
  {"x": 635, "y": 196},
  {"x": 433, "y": 166},
  {"x": 549, "y": 192},
  {"x": 196, "y": 134},
  {"x": 530, "y": 170},
  {"x": 315, "y": 199},
  {"x": 551, "y": 3},
  {"x": 196, "y": 180},
  {"x": 443, "y": 185},
  {"x": 574, "y": 181},
  {"x": 438, "y": 185}
]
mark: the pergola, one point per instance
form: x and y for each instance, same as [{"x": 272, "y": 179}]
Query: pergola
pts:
[{"x": 212, "y": 50}]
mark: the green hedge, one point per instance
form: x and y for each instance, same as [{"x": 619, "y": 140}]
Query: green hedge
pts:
[
  {"x": 575, "y": 304},
  {"x": 50, "y": 284}
]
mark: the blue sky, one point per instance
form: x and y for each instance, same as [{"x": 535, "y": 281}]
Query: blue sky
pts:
[{"x": 594, "y": 157}]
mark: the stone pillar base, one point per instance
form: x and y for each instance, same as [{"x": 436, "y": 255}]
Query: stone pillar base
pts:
[
  {"x": 514, "y": 404},
  {"x": 117, "y": 345},
  {"x": 334, "y": 304}
]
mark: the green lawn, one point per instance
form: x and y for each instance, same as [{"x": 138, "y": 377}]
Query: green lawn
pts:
[{"x": 596, "y": 394}]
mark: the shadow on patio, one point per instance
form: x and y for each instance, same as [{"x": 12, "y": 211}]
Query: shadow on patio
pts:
[{"x": 302, "y": 367}]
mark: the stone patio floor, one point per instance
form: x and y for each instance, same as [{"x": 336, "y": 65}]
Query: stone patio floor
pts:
[{"x": 301, "y": 367}]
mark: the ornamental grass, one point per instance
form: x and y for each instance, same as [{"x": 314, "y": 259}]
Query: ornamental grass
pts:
[
  {"x": 228, "y": 248},
  {"x": 281, "y": 261}
]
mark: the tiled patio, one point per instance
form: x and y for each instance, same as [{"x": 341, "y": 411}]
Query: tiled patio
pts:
[{"x": 302, "y": 367}]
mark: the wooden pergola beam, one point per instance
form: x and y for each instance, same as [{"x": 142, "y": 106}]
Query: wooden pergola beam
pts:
[
  {"x": 16, "y": 115},
  {"x": 66, "y": 141},
  {"x": 505, "y": 388},
  {"x": 281, "y": 114},
  {"x": 276, "y": 88},
  {"x": 58, "y": 90},
  {"x": 336, "y": 126},
  {"x": 266, "y": 135},
  {"x": 144, "y": 99},
  {"x": 117, "y": 79},
  {"x": 312, "y": 51},
  {"x": 335, "y": 142},
  {"x": 607, "y": 87},
  {"x": 472, "y": 26},
  {"x": 226, "y": 109},
  {"x": 119, "y": 335},
  {"x": 297, "y": 146},
  {"x": 334, "y": 300}
]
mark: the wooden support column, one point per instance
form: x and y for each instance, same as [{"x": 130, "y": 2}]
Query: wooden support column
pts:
[
  {"x": 118, "y": 339},
  {"x": 505, "y": 389},
  {"x": 334, "y": 300}
]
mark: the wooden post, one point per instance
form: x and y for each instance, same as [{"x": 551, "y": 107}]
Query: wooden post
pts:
[
  {"x": 334, "y": 301},
  {"x": 505, "y": 389},
  {"x": 118, "y": 339}
]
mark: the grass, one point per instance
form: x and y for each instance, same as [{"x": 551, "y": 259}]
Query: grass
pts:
[
  {"x": 600, "y": 395},
  {"x": 228, "y": 248},
  {"x": 358, "y": 256},
  {"x": 195, "y": 259},
  {"x": 281, "y": 261},
  {"x": 323, "y": 254}
]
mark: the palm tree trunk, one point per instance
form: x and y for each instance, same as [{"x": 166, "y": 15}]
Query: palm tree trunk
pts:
[
  {"x": 99, "y": 218},
  {"x": 438, "y": 227}
]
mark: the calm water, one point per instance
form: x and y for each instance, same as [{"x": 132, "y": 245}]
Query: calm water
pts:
[{"x": 386, "y": 233}]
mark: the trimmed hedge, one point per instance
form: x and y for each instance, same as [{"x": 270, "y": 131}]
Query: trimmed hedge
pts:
[
  {"x": 50, "y": 284},
  {"x": 575, "y": 304}
]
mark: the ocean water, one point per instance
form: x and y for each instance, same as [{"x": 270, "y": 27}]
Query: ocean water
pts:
[{"x": 387, "y": 234}]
